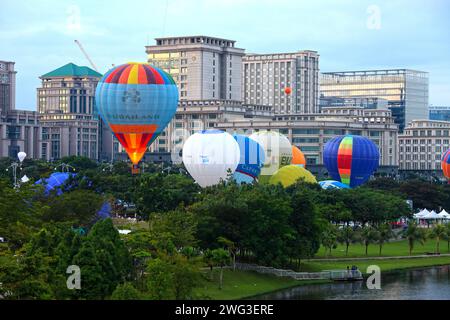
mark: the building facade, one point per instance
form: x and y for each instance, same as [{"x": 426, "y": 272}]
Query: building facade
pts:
[
  {"x": 65, "y": 107},
  {"x": 266, "y": 78},
  {"x": 440, "y": 113},
  {"x": 422, "y": 144},
  {"x": 204, "y": 68},
  {"x": 405, "y": 90},
  {"x": 7, "y": 86}
]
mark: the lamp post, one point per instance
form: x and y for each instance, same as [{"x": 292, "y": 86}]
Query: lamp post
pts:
[
  {"x": 21, "y": 156},
  {"x": 65, "y": 167},
  {"x": 109, "y": 167}
]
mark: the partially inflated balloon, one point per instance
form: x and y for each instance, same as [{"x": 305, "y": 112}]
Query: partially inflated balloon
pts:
[
  {"x": 332, "y": 184},
  {"x": 298, "y": 157},
  {"x": 290, "y": 174},
  {"x": 351, "y": 159},
  {"x": 137, "y": 101},
  {"x": 210, "y": 155},
  {"x": 251, "y": 160},
  {"x": 287, "y": 90},
  {"x": 21, "y": 155},
  {"x": 445, "y": 164},
  {"x": 277, "y": 151}
]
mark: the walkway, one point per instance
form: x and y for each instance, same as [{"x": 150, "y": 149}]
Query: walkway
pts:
[{"x": 377, "y": 258}]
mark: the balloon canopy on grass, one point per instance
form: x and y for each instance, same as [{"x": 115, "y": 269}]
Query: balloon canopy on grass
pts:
[
  {"x": 56, "y": 181},
  {"x": 332, "y": 184}
]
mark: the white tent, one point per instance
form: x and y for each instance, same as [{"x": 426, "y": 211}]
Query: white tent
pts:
[
  {"x": 444, "y": 215},
  {"x": 431, "y": 216},
  {"x": 421, "y": 214}
]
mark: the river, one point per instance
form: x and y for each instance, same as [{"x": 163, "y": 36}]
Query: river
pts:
[{"x": 418, "y": 284}]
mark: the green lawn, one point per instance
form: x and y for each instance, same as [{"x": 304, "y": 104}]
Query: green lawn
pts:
[
  {"x": 397, "y": 248},
  {"x": 241, "y": 284},
  {"x": 385, "y": 265}
]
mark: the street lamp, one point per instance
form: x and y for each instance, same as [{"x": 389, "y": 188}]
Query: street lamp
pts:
[
  {"x": 21, "y": 156},
  {"x": 65, "y": 167},
  {"x": 109, "y": 167}
]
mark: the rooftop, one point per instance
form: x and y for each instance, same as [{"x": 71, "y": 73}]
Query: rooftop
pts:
[
  {"x": 374, "y": 72},
  {"x": 72, "y": 70}
]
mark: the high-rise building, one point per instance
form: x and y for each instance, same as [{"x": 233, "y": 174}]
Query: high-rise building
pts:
[
  {"x": 7, "y": 86},
  {"x": 65, "y": 106},
  {"x": 422, "y": 144},
  {"x": 441, "y": 113},
  {"x": 287, "y": 81},
  {"x": 204, "y": 68},
  {"x": 405, "y": 90},
  {"x": 19, "y": 129}
]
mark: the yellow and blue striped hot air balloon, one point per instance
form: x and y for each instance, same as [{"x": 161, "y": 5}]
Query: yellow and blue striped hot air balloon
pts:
[{"x": 137, "y": 101}]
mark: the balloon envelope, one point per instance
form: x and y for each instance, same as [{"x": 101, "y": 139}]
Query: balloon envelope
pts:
[
  {"x": 351, "y": 159},
  {"x": 55, "y": 181},
  {"x": 277, "y": 152},
  {"x": 298, "y": 157},
  {"x": 287, "y": 90},
  {"x": 21, "y": 155},
  {"x": 289, "y": 175},
  {"x": 137, "y": 101},
  {"x": 332, "y": 184},
  {"x": 208, "y": 155},
  {"x": 251, "y": 160},
  {"x": 445, "y": 164}
]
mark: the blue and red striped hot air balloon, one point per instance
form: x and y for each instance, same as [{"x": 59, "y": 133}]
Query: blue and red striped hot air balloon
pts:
[
  {"x": 351, "y": 159},
  {"x": 445, "y": 164},
  {"x": 137, "y": 101}
]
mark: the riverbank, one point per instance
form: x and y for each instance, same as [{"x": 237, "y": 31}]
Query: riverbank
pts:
[{"x": 245, "y": 284}]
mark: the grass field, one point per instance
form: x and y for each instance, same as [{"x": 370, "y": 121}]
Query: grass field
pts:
[
  {"x": 241, "y": 284},
  {"x": 390, "y": 249}
]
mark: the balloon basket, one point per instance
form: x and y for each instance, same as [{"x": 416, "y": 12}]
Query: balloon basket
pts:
[{"x": 135, "y": 169}]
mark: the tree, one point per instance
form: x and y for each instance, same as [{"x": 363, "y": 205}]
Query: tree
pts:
[
  {"x": 447, "y": 237},
  {"x": 347, "y": 235},
  {"x": 330, "y": 237},
  {"x": 126, "y": 291},
  {"x": 414, "y": 234},
  {"x": 221, "y": 258},
  {"x": 438, "y": 233},
  {"x": 383, "y": 234},
  {"x": 368, "y": 235},
  {"x": 231, "y": 247}
]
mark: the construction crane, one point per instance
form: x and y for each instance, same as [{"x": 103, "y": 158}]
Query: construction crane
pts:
[{"x": 86, "y": 55}]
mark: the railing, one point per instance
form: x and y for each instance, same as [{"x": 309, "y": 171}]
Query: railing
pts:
[{"x": 326, "y": 274}]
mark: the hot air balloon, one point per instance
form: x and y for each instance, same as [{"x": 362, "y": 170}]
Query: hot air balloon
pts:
[
  {"x": 209, "y": 155},
  {"x": 56, "y": 181},
  {"x": 277, "y": 152},
  {"x": 298, "y": 157},
  {"x": 332, "y": 184},
  {"x": 287, "y": 90},
  {"x": 251, "y": 160},
  {"x": 21, "y": 155},
  {"x": 289, "y": 175},
  {"x": 445, "y": 164},
  {"x": 137, "y": 101},
  {"x": 351, "y": 159}
]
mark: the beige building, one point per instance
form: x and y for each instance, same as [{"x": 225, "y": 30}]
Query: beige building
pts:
[
  {"x": 265, "y": 78},
  {"x": 310, "y": 132},
  {"x": 422, "y": 144},
  {"x": 7, "y": 86},
  {"x": 204, "y": 68},
  {"x": 65, "y": 107}
]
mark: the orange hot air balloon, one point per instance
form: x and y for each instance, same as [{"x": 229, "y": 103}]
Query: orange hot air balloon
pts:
[
  {"x": 137, "y": 101},
  {"x": 298, "y": 157},
  {"x": 287, "y": 90}
]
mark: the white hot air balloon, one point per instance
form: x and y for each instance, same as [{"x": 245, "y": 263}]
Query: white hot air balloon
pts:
[
  {"x": 21, "y": 155},
  {"x": 277, "y": 150},
  {"x": 208, "y": 155},
  {"x": 24, "y": 179}
]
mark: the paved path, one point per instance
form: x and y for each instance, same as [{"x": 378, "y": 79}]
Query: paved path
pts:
[{"x": 378, "y": 258}]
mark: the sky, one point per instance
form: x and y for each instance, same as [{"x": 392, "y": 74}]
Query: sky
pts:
[{"x": 348, "y": 34}]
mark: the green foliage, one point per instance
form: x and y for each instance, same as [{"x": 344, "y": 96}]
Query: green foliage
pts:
[
  {"x": 126, "y": 291},
  {"x": 414, "y": 234}
]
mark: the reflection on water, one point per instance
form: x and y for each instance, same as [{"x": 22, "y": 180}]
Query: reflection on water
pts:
[{"x": 427, "y": 284}]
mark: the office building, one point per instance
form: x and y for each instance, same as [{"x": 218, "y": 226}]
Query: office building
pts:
[
  {"x": 7, "y": 86},
  {"x": 422, "y": 144},
  {"x": 441, "y": 113},
  {"x": 287, "y": 81},
  {"x": 204, "y": 68},
  {"x": 405, "y": 90},
  {"x": 65, "y": 107},
  {"x": 364, "y": 102}
]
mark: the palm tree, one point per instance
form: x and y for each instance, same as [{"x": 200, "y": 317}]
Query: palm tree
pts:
[
  {"x": 368, "y": 236},
  {"x": 231, "y": 247},
  {"x": 447, "y": 237},
  {"x": 221, "y": 258},
  {"x": 438, "y": 233},
  {"x": 346, "y": 236},
  {"x": 384, "y": 233},
  {"x": 413, "y": 233}
]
